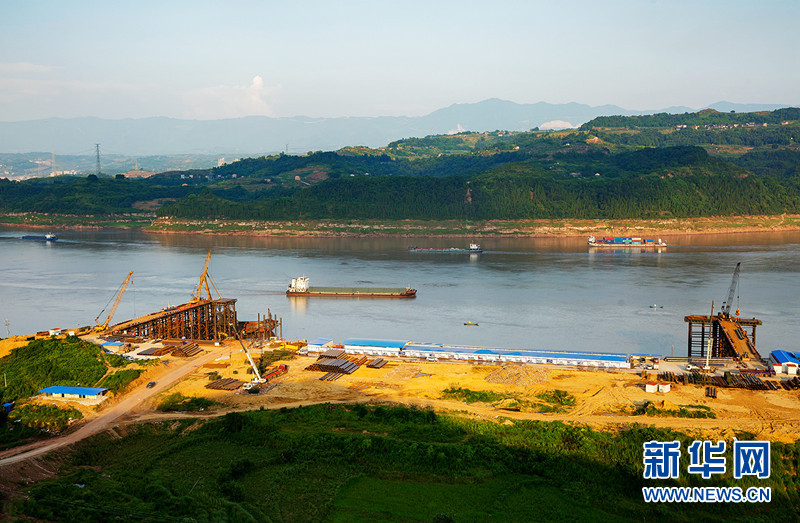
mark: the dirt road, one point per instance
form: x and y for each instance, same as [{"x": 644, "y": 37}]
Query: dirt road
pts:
[{"x": 108, "y": 418}]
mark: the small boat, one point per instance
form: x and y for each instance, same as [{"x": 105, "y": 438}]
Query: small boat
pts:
[
  {"x": 473, "y": 248},
  {"x": 470, "y": 324},
  {"x": 49, "y": 237},
  {"x": 654, "y": 306}
]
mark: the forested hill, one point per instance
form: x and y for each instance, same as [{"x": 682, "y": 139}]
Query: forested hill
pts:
[
  {"x": 679, "y": 182},
  {"x": 624, "y": 170},
  {"x": 701, "y": 118}
]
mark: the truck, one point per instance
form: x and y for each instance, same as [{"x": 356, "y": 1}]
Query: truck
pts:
[{"x": 275, "y": 372}]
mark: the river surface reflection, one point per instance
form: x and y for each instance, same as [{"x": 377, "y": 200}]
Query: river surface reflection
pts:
[{"x": 552, "y": 293}]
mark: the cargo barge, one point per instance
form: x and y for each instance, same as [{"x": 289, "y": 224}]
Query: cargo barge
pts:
[
  {"x": 625, "y": 241},
  {"x": 300, "y": 287},
  {"x": 473, "y": 248},
  {"x": 50, "y": 237}
]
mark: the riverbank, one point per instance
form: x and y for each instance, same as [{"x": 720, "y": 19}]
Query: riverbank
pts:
[{"x": 444, "y": 228}]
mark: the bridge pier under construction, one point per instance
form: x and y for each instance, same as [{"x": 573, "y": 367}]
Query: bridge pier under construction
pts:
[
  {"x": 730, "y": 337},
  {"x": 202, "y": 320}
]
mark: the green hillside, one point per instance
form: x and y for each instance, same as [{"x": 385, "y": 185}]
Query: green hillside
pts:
[
  {"x": 688, "y": 165},
  {"x": 381, "y": 463}
]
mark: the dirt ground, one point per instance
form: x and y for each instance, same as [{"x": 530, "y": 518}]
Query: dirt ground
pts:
[
  {"x": 8, "y": 344},
  {"x": 603, "y": 399}
]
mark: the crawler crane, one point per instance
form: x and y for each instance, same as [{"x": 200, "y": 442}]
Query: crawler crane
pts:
[{"x": 119, "y": 293}]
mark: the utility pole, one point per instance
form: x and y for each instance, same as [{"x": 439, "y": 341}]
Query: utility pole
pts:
[
  {"x": 53, "y": 161},
  {"x": 97, "y": 150}
]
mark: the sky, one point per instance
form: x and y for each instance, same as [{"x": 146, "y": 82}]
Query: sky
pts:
[{"x": 199, "y": 59}]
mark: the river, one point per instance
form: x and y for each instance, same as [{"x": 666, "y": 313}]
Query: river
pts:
[{"x": 550, "y": 293}]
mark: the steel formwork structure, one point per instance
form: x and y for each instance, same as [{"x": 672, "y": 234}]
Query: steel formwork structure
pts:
[
  {"x": 703, "y": 326},
  {"x": 204, "y": 320}
]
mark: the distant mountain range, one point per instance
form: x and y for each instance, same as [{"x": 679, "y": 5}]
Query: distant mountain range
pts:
[{"x": 256, "y": 135}]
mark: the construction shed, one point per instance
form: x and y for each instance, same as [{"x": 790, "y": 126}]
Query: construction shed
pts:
[
  {"x": 115, "y": 346},
  {"x": 784, "y": 361},
  {"x": 374, "y": 347},
  {"x": 319, "y": 344},
  {"x": 455, "y": 352},
  {"x": 67, "y": 392}
]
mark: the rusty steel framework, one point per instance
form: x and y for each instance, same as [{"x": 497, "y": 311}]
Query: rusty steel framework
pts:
[
  {"x": 204, "y": 320},
  {"x": 703, "y": 326}
]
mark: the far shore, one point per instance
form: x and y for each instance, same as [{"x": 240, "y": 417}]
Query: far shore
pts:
[{"x": 540, "y": 228}]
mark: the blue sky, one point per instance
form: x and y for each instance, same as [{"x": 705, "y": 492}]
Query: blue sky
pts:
[{"x": 208, "y": 60}]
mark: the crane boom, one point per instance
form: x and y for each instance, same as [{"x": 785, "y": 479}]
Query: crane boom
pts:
[
  {"x": 256, "y": 375},
  {"x": 726, "y": 305},
  {"x": 119, "y": 294},
  {"x": 205, "y": 279}
]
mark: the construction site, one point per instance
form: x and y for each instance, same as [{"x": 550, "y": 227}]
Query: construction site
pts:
[{"x": 205, "y": 351}]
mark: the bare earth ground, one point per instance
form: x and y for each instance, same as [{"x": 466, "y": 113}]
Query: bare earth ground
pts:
[{"x": 603, "y": 401}]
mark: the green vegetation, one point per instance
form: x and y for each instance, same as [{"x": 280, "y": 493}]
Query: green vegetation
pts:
[
  {"x": 270, "y": 357},
  {"x": 46, "y": 362},
  {"x": 119, "y": 381},
  {"x": 558, "y": 396},
  {"x": 381, "y": 463},
  {"x": 690, "y": 165},
  {"x": 684, "y": 411},
  {"x": 471, "y": 396},
  {"x": 177, "y": 402},
  {"x": 47, "y": 417}
]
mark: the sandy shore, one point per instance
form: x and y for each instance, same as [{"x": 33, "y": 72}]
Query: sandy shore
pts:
[{"x": 448, "y": 228}]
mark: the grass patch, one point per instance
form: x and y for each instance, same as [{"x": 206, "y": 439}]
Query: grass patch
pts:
[
  {"x": 508, "y": 498},
  {"x": 177, "y": 402},
  {"x": 471, "y": 396},
  {"x": 46, "y": 417},
  {"x": 558, "y": 396},
  {"x": 380, "y": 463},
  {"x": 685, "y": 411},
  {"x": 120, "y": 380}
]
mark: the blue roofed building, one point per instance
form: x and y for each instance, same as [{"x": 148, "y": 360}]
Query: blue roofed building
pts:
[
  {"x": 74, "y": 393},
  {"x": 319, "y": 344},
  {"x": 784, "y": 361},
  {"x": 374, "y": 347},
  {"x": 454, "y": 352}
]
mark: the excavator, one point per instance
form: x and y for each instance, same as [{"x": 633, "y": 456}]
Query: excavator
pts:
[{"x": 118, "y": 294}]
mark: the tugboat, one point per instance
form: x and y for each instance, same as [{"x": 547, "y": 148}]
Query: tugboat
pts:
[
  {"x": 49, "y": 237},
  {"x": 474, "y": 248}
]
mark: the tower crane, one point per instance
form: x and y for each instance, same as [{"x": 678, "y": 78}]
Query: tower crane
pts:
[
  {"x": 726, "y": 305},
  {"x": 119, "y": 293},
  {"x": 205, "y": 279}
]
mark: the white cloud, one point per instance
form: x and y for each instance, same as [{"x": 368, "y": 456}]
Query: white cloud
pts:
[
  {"x": 25, "y": 67},
  {"x": 457, "y": 130},
  {"x": 557, "y": 124},
  {"x": 225, "y": 101}
]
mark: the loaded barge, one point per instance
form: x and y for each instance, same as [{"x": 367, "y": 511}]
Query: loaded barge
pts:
[
  {"x": 300, "y": 287},
  {"x": 624, "y": 241},
  {"x": 49, "y": 237},
  {"x": 473, "y": 248}
]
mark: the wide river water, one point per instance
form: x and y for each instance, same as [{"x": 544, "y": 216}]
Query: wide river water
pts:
[{"x": 552, "y": 294}]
